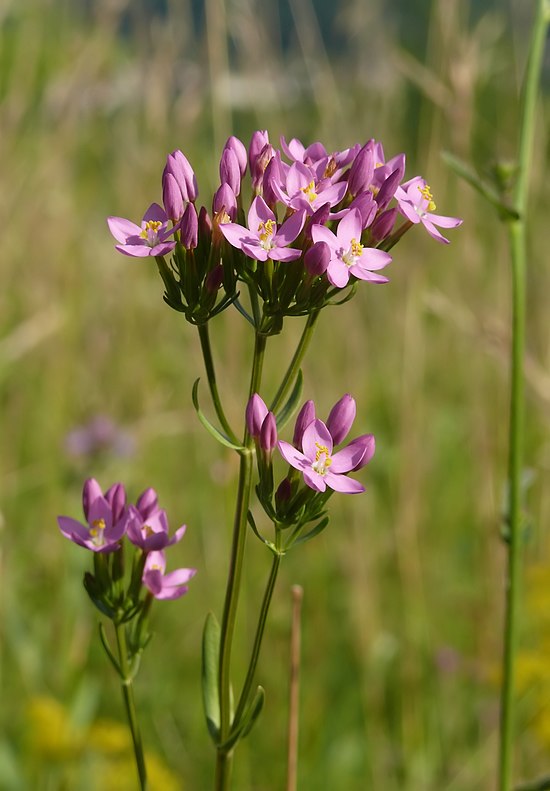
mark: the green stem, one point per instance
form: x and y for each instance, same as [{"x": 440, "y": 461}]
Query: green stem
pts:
[
  {"x": 223, "y": 763},
  {"x": 517, "y": 240},
  {"x": 249, "y": 680},
  {"x": 542, "y": 784},
  {"x": 211, "y": 375},
  {"x": 295, "y": 363},
  {"x": 129, "y": 703}
]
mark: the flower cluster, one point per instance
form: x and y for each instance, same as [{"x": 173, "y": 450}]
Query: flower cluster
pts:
[
  {"x": 316, "y": 223},
  {"x": 315, "y": 469},
  {"x": 109, "y": 519}
]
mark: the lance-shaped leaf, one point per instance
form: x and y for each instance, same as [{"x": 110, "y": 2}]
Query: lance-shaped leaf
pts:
[
  {"x": 210, "y": 690},
  {"x": 216, "y": 433},
  {"x": 490, "y": 194},
  {"x": 244, "y": 726},
  {"x": 319, "y": 527}
]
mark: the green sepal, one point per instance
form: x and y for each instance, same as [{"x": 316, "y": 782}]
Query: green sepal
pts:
[
  {"x": 216, "y": 433},
  {"x": 210, "y": 689},
  {"x": 244, "y": 312},
  {"x": 290, "y": 407},
  {"x": 490, "y": 194},
  {"x": 244, "y": 726},
  {"x": 269, "y": 544}
]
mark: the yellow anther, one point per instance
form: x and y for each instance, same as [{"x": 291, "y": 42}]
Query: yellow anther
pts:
[
  {"x": 148, "y": 530},
  {"x": 150, "y": 225},
  {"x": 356, "y": 248},
  {"x": 427, "y": 195},
  {"x": 309, "y": 191},
  {"x": 97, "y": 526},
  {"x": 265, "y": 230},
  {"x": 322, "y": 450}
]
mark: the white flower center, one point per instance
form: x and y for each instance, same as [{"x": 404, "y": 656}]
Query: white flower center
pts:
[
  {"x": 353, "y": 253},
  {"x": 322, "y": 459},
  {"x": 265, "y": 232},
  {"x": 150, "y": 232},
  {"x": 96, "y": 532}
]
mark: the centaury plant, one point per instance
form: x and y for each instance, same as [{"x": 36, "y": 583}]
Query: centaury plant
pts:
[{"x": 300, "y": 237}]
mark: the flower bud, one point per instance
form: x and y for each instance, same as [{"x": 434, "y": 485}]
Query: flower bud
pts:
[
  {"x": 239, "y": 149},
  {"x": 147, "y": 503},
  {"x": 225, "y": 202},
  {"x": 229, "y": 170},
  {"x": 272, "y": 175},
  {"x": 387, "y": 190},
  {"x": 256, "y": 411},
  {"x": 317, "y": 259},
  {"x": 383, "y": 225},
  {"x": 205, "y": 224},
  {"x": 178, "y": 165},
  {"x": 90, "y": 493},
  {"x": 341, "y": 418},
  {"x": 318, "y": 217},
  {"x": 306, "y": 415},
  {"x": 258, "y": 140},
  {"x": 189, "y": 227},
  {"x": 257, "y": 170},
  {"x": 283, "y": 493},
  {"x": 362, "y": 170},
  {"x": 365, "y": 446},
  {"x": 172, "y": 197},
  {"x": 116, "y": 497},
  {"x": 268, "y": 433},
  {"x": 367, "y": 207}
]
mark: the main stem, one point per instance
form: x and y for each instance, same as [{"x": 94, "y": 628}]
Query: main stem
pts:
[
  {"x": 224, "y": 758},
  {"x": 517, "y": 240},
  {"x": 129, "y": 703}
]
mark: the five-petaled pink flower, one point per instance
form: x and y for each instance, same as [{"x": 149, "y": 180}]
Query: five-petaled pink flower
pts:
[
  {"x": 320, "y": 467},
  {"x": 150, "y": 532},
  {"x": 416, "y": 203},
  {"x": 348, "y": 255},
  {"x": 106, "y": 515},
  {"x": 165, "y": 586},
  {"x": 149, "y": 239},
  {"x": 262, "y": 240}
]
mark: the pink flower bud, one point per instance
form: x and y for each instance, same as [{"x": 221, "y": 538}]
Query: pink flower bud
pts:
[
  {"x": 341, "y": 418},
  {"x": 306, "y": 415},
  {"x": 239, "y": 150},
  {"x": 225, "y": 202},
  {"x": 258, "y": 140},
  {"x": 268, "y": 433},
  {"x": 362, "y": 170},
  {"x": 318, "y": 217},
  {"x": 178, "y": 165},
  {"x": 229, "y": 170},
  {"x": 272, "y": 174},
  {"x": 367, "y": 207},
  {"x": 116, "y": 497},
  {"x": 383, "y": 225},
  {"x": 147, "y": 503},
  {"x": 90, "y": 492},
  {"x": 189, "y": 227},
  {"x": 317, "y": 259},
  {"x": 257, "y": 170},
  {"x": 256, "y": 411},
  {"x": 205, "y": 224},
  {"x": 172, "y": 197},
  {"x": 387, "y": 190},
  {"x": 284, "y": 490},
  {"x": 367, "y": 443}
]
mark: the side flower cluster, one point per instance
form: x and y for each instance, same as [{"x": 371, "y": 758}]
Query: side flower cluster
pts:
[
  {"x": 109, "y": 519},
  {"x": 321, "y": 220}
]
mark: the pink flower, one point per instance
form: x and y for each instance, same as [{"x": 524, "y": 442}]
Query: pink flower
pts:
[
  {"x": 150, "y": 532},
  {"x": 319, "y": 466},
  {"x": 261, "y": 240},
  {"x": 416, "y": 203},
  {"x": 149, "y": 239},
  {"x": 165, "y": 586},
  {"x": 348, "y": 255},
  {"x": 303, "y": 190},
  {"x": 106, "y": 516}
]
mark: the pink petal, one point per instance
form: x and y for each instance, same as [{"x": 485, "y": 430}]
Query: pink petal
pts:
[
  {"x": 122, "y": 229},
  {"x": 408, "y": 211},
  {"x": 290, "y": 229},
  {"x": 321, "y": 234},
  {"x": 155, "y": 213},
  {"x": 314, "y": 480},
  {"x": 298, "y": 177},
  {"x": 338, "y": 273},
  {"x": 316, "y": 434},
  {"x": 347, "y": 458},
  {"x": 373, "y": 259},
  {"x": 349, "y": 227},
  {"x": 284, "y": 253},
  {"x": 234, "y": 233},
  {"x": 72, "y": 529},
  {"x": 432, "y": 230},
  {"x": 134, "y": 250},
  {"x": 444, "y": 222},
  {"x": 292, "y": 456},
  {"x": 254, "y": 250},
  {"x": 341, "y": 483},
  {"x": 162, "y": 249},
  {"x": 259, "y": 212}
]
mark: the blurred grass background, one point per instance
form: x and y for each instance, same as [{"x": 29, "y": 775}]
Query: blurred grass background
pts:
[{"x": 403, "y": 594}]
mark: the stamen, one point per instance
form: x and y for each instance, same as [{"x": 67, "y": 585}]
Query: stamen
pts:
[
  {"x": 330, "y": 168},
  {"x": 322, "y": 459},
  {"x": 309, "y": 191},
  {"x": 265, "y": 231},
  {"x": 427, "y": 195},
  {"x": 150, "y": 226}
]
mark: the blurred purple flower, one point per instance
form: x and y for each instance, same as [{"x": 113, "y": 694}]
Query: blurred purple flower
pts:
[
  {"x": 106, "y": 515},
  {"x": 99, "y": 435},
  {"x": 151, "y": 532}
]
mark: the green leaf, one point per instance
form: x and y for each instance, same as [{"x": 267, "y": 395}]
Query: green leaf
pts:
[
  {"x": 216, "y": 433},
  {"x": 290, "y": 407},
  {"x": 319, "y": 527},
  {"x": 244, "y": 312},
  {"x": 210, "y": 690},
  {"x": 349, "y": 295},
  {"x": 468, "y": 174}
]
